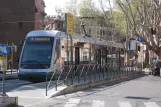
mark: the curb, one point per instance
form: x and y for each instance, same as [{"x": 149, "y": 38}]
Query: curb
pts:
[
  {"x": 6, "y": 101},
  {"x": 75, "y": 88}
]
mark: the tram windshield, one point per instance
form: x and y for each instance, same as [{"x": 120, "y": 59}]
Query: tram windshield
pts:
[{"x": 37, "y": 52}]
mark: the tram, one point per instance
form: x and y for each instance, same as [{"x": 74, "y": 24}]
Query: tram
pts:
[{"x": 45, "y": 50}]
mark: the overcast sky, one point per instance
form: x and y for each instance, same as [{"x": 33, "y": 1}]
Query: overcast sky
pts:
[{"x": 52, "y": 4}]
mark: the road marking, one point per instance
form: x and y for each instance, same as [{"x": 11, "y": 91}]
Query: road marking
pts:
[
  {"x": 150, "y": 104},
  {"x": 72, "y": 103},
  {"x": 98, "y": 103},
  {"x": 124, "y": 104}
]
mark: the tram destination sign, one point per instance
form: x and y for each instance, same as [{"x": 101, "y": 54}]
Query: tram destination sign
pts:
[
  {"x": 39, "y": 39},
  {"x": 4, "y": 50}
]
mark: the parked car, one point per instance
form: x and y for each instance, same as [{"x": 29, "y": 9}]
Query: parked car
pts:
[{"x": 156, "y": 67}]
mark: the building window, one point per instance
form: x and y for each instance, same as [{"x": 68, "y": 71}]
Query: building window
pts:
[
  {"x": 58, "y": 25},
  {"x": 103, "y": 32},
  {"x": 100, "y": 31},
  {"x": 62, "y": 25},
  {"x": 36, "y": 9},
  {"x": 89, "y": 31},
  {"x": 20, "y": 24}
]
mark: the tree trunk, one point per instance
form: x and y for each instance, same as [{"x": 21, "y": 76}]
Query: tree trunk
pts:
[
  {"x": 146, "y": 62},
  {"x": 159, "y": 54}
]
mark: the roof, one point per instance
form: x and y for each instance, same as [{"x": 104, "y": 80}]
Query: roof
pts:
[
  {"x": 51, "y": 33},
  {"x": 54, "y": 33}
]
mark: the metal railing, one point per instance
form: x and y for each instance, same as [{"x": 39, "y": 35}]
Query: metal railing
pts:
[{"x": 76, "y": 74}]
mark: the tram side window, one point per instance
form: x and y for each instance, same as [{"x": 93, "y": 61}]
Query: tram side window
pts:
[
  {"x": 114, "y": 56},
  {"x": 93, "y": 53},
  {"x": 109, "y": 55},
  {"x": 86, "y": 53},
  {"x": 57, "y": 52},
  {"x": 103, "y": 56},
  {"x": 122, "y": 55}
]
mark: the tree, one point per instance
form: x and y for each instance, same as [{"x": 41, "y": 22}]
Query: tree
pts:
[
  {"x": 72, "y": 7},
  {"x": 113, "y": 20},
  {"x": 85, "y": 8},
  {"x": 90, "y": 14},
  {"x": 119, "y": 22},
  {"x": 144, "y": 18}
]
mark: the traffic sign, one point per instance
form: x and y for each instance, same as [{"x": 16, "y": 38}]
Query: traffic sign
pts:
[
  {"x": 132, "y": 44},
  {"x": 4, "y": 50},
  {"x": 2, "y": 58},
  {"x": 139, "y": 39},
  {"x": 3, "y": 63},
  {"x": 69, "y": 23}
]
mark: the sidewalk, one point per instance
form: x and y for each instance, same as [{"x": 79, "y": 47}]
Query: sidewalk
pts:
[
  {"x": 146, "y": 70},
  {"x": 9, "y": 75},
  {"x": 38, "y": 90}
]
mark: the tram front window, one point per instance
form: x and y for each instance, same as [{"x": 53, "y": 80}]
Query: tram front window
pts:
[{"x": 37, "y": 53}]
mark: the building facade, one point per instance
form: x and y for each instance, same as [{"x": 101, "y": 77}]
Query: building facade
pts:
[
  {"x": 39, "y": 14},
  {"x": 53, "y": 22},
  {"x": 17, "y": 18}
]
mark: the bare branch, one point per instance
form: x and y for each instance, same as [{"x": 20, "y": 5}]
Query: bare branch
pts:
[
  {"x": 122, "y": 8},
  {"x": 132, "y": 15}
]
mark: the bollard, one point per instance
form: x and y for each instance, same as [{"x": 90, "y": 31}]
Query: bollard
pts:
[{"x": 160, "y": 72}]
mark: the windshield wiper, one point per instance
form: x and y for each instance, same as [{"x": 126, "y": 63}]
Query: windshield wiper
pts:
[{"x": 34, "y": 61}]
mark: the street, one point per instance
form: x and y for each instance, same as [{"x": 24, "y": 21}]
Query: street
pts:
[
  {"x": 12, "y": 84},
  {"x": 140, "y": 92}
]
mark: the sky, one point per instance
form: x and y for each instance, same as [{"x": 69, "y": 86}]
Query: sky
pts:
[{"x": 52, "y": 4}]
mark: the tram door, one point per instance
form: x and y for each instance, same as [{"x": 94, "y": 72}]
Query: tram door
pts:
[
  {"x": 99, "y": 59},
  {"x": 77, "y": 54},
  {"x": 77, "y": 60},
  {"x": 99, "y": 56}
]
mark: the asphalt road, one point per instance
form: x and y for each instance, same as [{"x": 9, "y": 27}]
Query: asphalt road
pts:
[
  {"x": 13, "y": 84},
  {"x": 140, "y": 92}
]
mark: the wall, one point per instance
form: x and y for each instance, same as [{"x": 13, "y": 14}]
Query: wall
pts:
[
  {"x": 11, "y": 13},
  {"x": 39, "y": 14}
]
